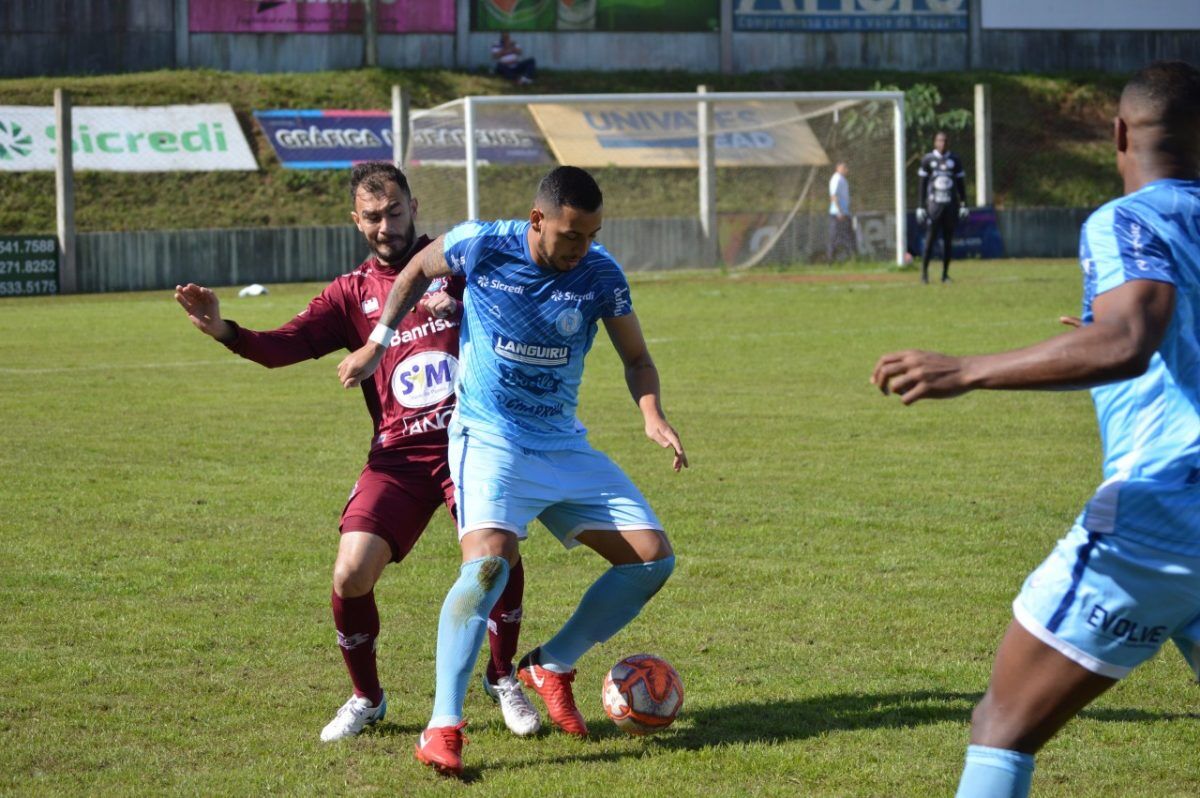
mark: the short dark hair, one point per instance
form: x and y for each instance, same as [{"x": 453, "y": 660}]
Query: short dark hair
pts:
[
  {"x": 374, "y": 177},
  {"x": 1168, "y": 92},
  {"x": 569, "y": 186}
]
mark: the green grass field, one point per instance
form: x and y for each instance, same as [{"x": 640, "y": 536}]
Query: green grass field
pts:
[{"x": 845, "y": 564}]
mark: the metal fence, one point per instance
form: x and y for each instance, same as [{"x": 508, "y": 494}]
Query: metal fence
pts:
[{"x": 160, "y": 259}]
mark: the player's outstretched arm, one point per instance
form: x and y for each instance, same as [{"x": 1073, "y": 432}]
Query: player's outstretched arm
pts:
[
  {"x": 1128, "y": 325},
  {"x": 642, "y": 378},
  {"x": 409, "y": 286},
  {"x": 204, "y": 311}
]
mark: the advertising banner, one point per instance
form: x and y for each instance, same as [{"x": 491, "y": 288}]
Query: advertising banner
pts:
[
  {"x": 978, "y": 236},
  {"x": 601, "y": 15},
  {"x": 747, "y": 134},
  {"x": 166, "y": 138},
  {"x": 28, "y": 265},
  {"x": 850, "y": 15},
  {"x": 340, "y": 139},
  {"x": 318, "y": 16},
  {"x": 1092, "y": 15}
]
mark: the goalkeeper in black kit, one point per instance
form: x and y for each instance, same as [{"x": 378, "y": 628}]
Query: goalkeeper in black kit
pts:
[{"x": 943, "y": 196}]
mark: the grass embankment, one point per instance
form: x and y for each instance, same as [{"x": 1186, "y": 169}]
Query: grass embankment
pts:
[{"x": 1051, "y": 141}]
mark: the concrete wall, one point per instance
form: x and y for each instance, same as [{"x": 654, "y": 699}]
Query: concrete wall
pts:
[
  {"x": 63, "y": 37},
  {"x": 1101, "y": 51},
  {"x": 68, "y": 37}
]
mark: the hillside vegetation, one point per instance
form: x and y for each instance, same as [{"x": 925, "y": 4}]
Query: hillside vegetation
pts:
[{"x": 1051, "y": 137}]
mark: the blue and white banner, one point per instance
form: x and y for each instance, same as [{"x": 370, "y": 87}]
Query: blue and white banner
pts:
[
  {"x": 850, "y": 15},
  {"x": 340, "y": 139},
  {"x": 977, "y": 236}
]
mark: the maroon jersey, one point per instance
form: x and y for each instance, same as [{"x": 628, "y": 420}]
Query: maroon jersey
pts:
[{"x": 411, "y": 395}]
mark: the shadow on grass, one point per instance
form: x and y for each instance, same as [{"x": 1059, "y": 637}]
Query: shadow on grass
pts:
[
  {"x": 811, "y": 717},
  {"x": 782, "y": 721}
]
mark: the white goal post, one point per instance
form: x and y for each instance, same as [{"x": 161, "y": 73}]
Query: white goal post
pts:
[{"x": 769, "y": 153}]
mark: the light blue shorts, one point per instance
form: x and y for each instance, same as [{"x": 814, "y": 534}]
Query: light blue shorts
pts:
[
  {"x": 1109, "y": 603},
  {"x": 500, "y": 485}
]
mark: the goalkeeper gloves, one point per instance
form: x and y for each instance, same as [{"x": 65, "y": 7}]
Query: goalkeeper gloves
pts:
[
  {"x": 921, "y": 216},
  {"x": 964, "y": 212}
]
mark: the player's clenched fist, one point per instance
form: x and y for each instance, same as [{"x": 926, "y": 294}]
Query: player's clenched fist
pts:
[
  {"x": 440, "y": 305},
  {"x": 915, "y": 374}
]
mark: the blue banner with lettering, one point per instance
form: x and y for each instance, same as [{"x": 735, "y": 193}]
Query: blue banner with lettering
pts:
[
  {"x": 977, "y": 236},
  {"x": 340, "y": 139},
  {"x": 850, "y": 15}
]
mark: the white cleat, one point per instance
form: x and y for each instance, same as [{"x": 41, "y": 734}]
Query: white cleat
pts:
[
  {"x": 519, "y": 715},
  {"x": 354, "y": 716}
]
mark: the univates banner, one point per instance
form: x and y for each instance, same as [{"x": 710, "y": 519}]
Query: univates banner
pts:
[
  {"x": 666, "y": 135},
  {"x": 168, "y": 138}
]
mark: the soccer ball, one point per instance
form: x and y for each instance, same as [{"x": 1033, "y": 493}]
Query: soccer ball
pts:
[{"x": 642, "y": 694}]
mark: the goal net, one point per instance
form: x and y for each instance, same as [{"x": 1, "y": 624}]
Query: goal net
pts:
[{"x": 689, "y": 180}]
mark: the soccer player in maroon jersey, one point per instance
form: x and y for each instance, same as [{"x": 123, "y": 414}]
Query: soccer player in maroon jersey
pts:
[{"x": 410, "y": 400}]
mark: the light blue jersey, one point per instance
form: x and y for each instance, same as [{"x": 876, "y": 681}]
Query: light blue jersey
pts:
[
  {"x": 525, "y": 333},
  {"x": 1150, "y": 426}
]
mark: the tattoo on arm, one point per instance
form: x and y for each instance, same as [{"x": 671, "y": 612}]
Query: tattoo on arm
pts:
[{"x": 413, "y": 281}]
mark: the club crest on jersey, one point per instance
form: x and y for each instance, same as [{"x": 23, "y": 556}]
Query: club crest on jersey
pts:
[
  {"x": 435, "y": 285},
  {"x": 530, "y": 354},
  {"x": 568, "y": 322},
  {"x": 424, "y": 379},
  {"x": 370, "y": 306}
]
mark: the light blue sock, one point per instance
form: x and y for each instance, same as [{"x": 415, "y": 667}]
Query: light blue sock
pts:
[
  {"x": 995, "y": 773},
  {"x": 609, "y": 604},
  {"x": 460, "y": 633}
]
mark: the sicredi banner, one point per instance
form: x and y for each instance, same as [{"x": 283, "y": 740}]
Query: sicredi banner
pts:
[
  {"x": 666, "y": 135},
  {"x": 340, "y": 139},
  {"x": 168, "y": 138}
]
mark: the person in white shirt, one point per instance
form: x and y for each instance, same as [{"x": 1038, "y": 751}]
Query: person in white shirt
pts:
[
  {"x": 509, "y": 63},
  {"x": 841, "y": 225}
]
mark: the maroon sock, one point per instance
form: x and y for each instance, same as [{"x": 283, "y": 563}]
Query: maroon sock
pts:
[
  {"x": 357, "y": 622},
  {"x": 504, "y": 625}
]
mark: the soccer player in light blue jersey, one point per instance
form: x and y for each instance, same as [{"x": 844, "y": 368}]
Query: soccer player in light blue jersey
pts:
[
  {"x": 1126, "y": 577},
  {"x": 535, "y": 292}
]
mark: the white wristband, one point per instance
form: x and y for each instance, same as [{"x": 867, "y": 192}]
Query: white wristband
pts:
[{"x": 382, "y": 335}]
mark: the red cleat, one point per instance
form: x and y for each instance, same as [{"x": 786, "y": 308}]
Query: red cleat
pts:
[
  {"x": 441, "y": 748},
  {"x": 555, "y": 691}
]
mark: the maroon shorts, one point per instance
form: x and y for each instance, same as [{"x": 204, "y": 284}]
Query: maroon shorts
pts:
[{"x": 395, "y": 500}]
